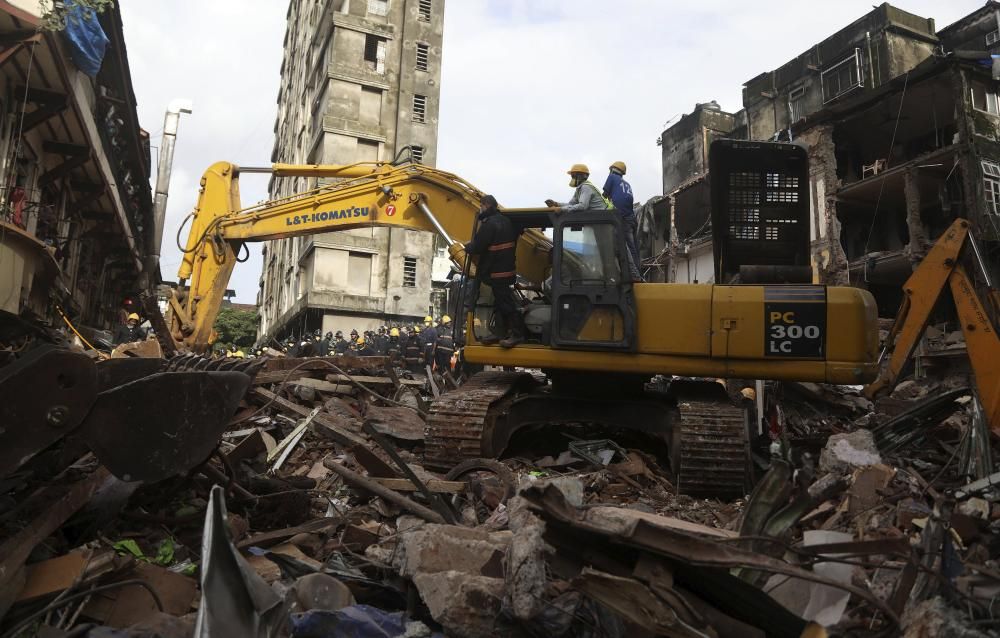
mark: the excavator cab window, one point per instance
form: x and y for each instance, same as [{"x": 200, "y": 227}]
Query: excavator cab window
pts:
[{"x": 592, "y": 303}]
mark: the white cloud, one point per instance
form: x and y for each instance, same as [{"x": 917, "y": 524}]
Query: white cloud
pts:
[{"x": 528, "y": 86}]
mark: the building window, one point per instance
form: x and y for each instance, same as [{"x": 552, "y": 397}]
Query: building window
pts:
[
  {"x": 375, "y": 53},
  {"x": 796, "y": 105},
  {"x": 417, "y": 153},
  {"x": 422, "y": 51},
  {"x": 359, "y": 273},
  {"x": 378, "y": 7},
  {"x": 843, "y": 77},
  {"x": 424, "y": 10},
  {"x": 984, "y": 99},
  {"x": 992, "y": 37},
  {"x": 409, "y": 272},
  {"x": 420, "y": 108},
  {"x": 991, "y": 184}
]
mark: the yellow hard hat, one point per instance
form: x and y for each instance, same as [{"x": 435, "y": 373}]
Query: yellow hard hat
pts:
[
  {"x": 394, "y": 332},
  {"x": 446, "y": 319},
  {"x": 578, "y": 168},
  {"x": 360, "y": 341},
  {"x": 749, "y": 393},
  {"x": 620, "y": 165},
  {"x": 416, "y": 328},
  {"x": 132, "y": 316},
  {"x": 428, "y": 319}
]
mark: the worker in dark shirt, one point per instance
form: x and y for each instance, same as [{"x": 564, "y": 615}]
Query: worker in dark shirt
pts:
[
  {"x": 320, "y": 348},
  {"x": 445, "y": 346},
  {"x": 361, "y": 347},
  {"x": 393, "y": 347},
  {"x": 130, "y": 331},
  {"x": 620, "y": 193},
  {"x": 340, "y": 345},
  {"x": 413, "y": 351},
  {"x": 494, "y": 243},
  {"x": 429, "y": 336}
]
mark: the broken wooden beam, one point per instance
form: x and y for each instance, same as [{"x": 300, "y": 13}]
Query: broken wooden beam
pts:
[
  {"x": 328, "y": 427},
  {"x": 434, "y": 485},
  {"x": 378, "y": 489}
]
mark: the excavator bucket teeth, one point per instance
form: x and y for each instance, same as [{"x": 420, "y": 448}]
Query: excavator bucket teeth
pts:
[
  {"x": 162, "y": 424},
  {"x": 115, "y": 372}
]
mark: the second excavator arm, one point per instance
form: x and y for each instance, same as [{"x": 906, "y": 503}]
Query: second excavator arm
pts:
[
  {"x": 367, "y": 194},
  {"x": 942, "y": 267}
]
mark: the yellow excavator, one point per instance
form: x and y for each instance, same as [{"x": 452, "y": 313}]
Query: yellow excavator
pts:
[
  {"x": 943, "y": 267},
  {"x": 598, "y": 338}
]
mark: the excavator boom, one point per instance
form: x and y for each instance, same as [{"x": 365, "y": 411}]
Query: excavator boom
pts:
[{"x": 588, "y": 318}]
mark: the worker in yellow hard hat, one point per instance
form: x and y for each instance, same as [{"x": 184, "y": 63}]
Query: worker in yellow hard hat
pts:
[
  {"x": 129, "y": 331},
  {"x": 619, "y": 192},
  {"x": 428, "y": 320},
  {"x": 585, "y": 197},
  {"x": 444, "y": 347},
  {"x": 393, "y": 347}
]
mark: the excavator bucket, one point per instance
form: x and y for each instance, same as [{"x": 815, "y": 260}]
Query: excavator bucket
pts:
[
  {"x": 145, "y": 418},
  {"x": 164, "y": 423}
]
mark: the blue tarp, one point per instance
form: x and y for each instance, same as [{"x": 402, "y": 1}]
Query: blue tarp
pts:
[
  {"x": 357, "y": 621},
  {"x": 87, "y": 42}
]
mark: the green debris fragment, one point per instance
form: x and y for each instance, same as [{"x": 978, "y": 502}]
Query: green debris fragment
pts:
[
  {"x": 129, "y": 546},
  {"x": 165, "y": 553}
]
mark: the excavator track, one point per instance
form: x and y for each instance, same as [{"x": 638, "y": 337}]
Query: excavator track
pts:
[
  {"x": 710, "y": 449},
  {"x": 458, "y": 419}
]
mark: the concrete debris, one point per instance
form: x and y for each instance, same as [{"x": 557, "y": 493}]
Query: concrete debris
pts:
[
  {"x": 844, "y": 452},
  {"x": 865, "y": 518}
]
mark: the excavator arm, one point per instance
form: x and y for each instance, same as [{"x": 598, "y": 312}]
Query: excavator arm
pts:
[
  {"x": 941, "y": 268},
  {"x": 367, "y": 194}
]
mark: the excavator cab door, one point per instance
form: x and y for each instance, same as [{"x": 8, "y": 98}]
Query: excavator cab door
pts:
[{"x": 593, "y": 307}]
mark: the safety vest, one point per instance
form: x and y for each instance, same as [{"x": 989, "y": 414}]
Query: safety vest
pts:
[{"x": 607, "y": 202}]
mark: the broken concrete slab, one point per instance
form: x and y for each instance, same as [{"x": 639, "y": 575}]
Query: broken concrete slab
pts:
[
  {"x": 465, "y": 604},
  {"x": 435, "y": 548},
  {"x": 845, "y": 452},
  {"x": 526, "y": 571}
]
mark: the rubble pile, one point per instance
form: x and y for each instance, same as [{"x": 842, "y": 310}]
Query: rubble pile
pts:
[{"x": 314, "y": 517}]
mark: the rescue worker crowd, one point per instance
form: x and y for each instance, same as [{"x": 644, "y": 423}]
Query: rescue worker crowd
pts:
[{"x": 412, "y": 347}]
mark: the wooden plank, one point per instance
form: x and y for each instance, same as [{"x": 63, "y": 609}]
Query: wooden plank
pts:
[
  {"x": 375, "y": 466},
  {"x": 266, "y": 539},
  {"x": 343, "y": 362},
  {"x": 340, "y": 378},
  {"x": 329, "y": 427},
  {"x": 404, "y": 485}
]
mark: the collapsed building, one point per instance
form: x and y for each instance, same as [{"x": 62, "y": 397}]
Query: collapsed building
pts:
[
  {"x": 900, "y": 123},
  {"x": 76, "y": 214}
]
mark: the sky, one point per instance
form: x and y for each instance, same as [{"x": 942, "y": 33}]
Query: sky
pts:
[{"x": 528, "y": 87}]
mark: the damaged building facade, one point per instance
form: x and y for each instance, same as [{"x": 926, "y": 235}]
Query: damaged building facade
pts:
[
  {"x": 359, "y": 83},
  {"x": 901, "y": 126},
  {"x": 76, "y": 222}
]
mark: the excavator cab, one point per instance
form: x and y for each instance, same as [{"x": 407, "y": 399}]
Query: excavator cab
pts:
[
  {"x": 587, "y": 303},
  {"x": 592, "y": 302}
]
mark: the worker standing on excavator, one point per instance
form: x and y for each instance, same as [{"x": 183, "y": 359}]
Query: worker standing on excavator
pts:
[
  {"x": 585, "y": 197},
  {"x": 494, "y": 242},
  {"x": 620, "y": 193}
]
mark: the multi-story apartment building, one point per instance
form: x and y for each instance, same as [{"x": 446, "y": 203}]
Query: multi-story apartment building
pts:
[
  {"x": 359, "y": 82},
  {"x": 76, "y": 213},
  {"x": 902, "y": 126}
]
